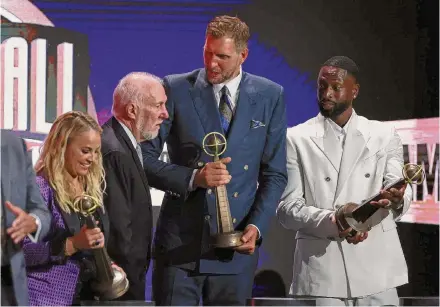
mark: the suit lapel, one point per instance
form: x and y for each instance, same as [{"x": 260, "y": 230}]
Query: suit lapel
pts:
[
  {"x": 70, "y": 220},
  {"x": 205, "y": 104},
  {"x": 241, "y": 121},
  {"x": 105, "y": 223},
  {"x": 126, "y": 142},
  {"x": 326, "y": 141},
  {"x": 355, "y": 145}
]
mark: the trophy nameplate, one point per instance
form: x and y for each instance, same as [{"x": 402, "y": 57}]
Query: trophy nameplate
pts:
[{"x": 214, "y": 144}]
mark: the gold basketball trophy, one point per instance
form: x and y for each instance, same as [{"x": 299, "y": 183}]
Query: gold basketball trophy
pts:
[
  {"x": 355, "y": 216},
  {"x": 214, "y": 144},
  {"x": 110, "y": 283}
]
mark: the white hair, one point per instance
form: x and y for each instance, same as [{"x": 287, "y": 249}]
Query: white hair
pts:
[{"x": 128, "y": 90}]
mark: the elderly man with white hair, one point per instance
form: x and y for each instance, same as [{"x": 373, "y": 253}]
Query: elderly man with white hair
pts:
[{"x": 138, "y": 111}]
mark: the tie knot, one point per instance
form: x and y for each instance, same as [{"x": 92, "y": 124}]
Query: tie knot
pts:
[{"x": 224, "y": 90}]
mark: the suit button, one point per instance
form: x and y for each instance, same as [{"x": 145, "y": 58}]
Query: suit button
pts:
[
  {"x": 367, "y": 175},
  {"x": 207, "y": 217},
  {"x": 236, "y": 194},
  {"x": 234, "y": 220},
  {"x": 246, "y": 167},
  {"x": 327, "y": 178},
  {"x": 200, "y": 163},
  {"x": 209, "y": 191}
]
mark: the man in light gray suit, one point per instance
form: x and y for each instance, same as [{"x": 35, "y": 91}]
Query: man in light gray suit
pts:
[
  {"x": 23, "y": 214},
  {"x": 333, "y": 159}
]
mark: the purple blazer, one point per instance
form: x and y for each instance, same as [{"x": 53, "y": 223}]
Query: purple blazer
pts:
[{"x": 52, "y": 277}]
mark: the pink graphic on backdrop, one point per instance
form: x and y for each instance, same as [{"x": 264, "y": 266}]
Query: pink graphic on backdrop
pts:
[{"x": 416, "y": 134}]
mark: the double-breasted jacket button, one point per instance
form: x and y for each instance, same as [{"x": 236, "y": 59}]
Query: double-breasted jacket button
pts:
[
  {"x": 246, "y": 167},
  {"x": 209, "y": 191},
  {"x": 367, "y": 175},
  {"x": 327, "y": 179},
  {"x": 234, "y": 220},
  {"x": 235, "y": 194},
  {"x": 207, "y": 217},
  {"x": 200, "y": 163}
]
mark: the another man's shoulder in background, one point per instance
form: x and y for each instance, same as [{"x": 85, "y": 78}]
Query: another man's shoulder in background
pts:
[
  {"x": 263, "y": 84},
  {"x": 303, "y": 130},
  {"x": 110, "y": 142},
  {"x": 188, "y": 78},
  {"x": 376, "y": 129},
  {"x": 10, "y": 138}
]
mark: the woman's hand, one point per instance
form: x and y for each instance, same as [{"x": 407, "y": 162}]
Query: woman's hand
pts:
[{"x": 88, "y": 239}]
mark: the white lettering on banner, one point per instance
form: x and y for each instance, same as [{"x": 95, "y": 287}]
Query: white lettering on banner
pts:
[
  {"x": 16, "y": 80},
  {"x": 14, "y": 57}
]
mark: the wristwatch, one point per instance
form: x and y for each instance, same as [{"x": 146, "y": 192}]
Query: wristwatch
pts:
[{"x": 37, "y": 222}]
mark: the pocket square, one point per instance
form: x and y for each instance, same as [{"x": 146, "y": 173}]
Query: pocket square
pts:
[{"x": 257, "y": 124}]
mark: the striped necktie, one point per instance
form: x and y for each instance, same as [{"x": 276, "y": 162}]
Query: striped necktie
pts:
[
  {"x": 225, "y": 109},
  {"x": 139, "y": 152}
]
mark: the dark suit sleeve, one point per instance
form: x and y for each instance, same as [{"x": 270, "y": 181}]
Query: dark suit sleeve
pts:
[
  {"x": 117, "y": 201},
  {"x": 161, "y": 175},
  {"x": 34, "y": 201},
  {"x": 273, "y": 175}
]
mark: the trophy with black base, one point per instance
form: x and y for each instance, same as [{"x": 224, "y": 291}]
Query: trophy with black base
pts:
[
  {"x": 354, "y": 216},
  {"x": 214, "y": 144},
  {"x": 110, "y": 283}
]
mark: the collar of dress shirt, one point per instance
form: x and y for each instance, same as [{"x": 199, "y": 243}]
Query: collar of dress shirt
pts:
[
  {"x": 129, "y": 133},
  {"x": 338, "y": 129},
  {"x": 232, "y": 86}
]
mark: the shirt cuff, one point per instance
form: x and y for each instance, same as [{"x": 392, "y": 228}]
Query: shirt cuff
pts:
[
  {"x": 34, "y": 237},
  {"x": 259, "y": 233},
  {"x": 191, "y": 182}
]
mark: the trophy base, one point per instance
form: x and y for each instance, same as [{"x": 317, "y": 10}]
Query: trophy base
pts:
[
  {"x": 117, "y": 289},
  {"x": 227, "y": 239}
]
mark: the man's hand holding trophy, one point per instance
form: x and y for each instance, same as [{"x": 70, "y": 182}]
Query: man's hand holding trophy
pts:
[{"x": 352, "y": 218}]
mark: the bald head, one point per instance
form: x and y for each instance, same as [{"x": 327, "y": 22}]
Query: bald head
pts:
[
  {"x": 139, "y": 103},
  {"x": 135, "y": 88}
]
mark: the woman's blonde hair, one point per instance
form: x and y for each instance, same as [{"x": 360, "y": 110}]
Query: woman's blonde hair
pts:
[{"x": 52, "y": 160}]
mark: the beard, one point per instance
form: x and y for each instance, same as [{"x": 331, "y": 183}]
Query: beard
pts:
[
  {"x": 147, "y": 135},
  {"x": 222, "y": 77},
  {"x": 337, "y": 109}
]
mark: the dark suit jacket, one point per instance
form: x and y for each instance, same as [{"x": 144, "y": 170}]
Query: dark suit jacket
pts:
[
  {"x": 257, "y": 146},
  {"x": 128, "y": 203},
  {"x": 18, "y": 186}
]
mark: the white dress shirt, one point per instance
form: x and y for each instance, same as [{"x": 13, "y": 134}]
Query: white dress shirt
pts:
[
  {"x": 232, "y": 92},
  {"x": 133, "y": 141}
]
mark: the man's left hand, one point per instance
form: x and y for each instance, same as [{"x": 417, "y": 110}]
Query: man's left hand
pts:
[
  {"x": 395, "y": 196},
  {"x": 23, "y": 224},
  {"x": 250, "y": 235}
]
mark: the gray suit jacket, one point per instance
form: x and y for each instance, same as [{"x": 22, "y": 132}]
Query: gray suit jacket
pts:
[{"x": 18, "y": 186}]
